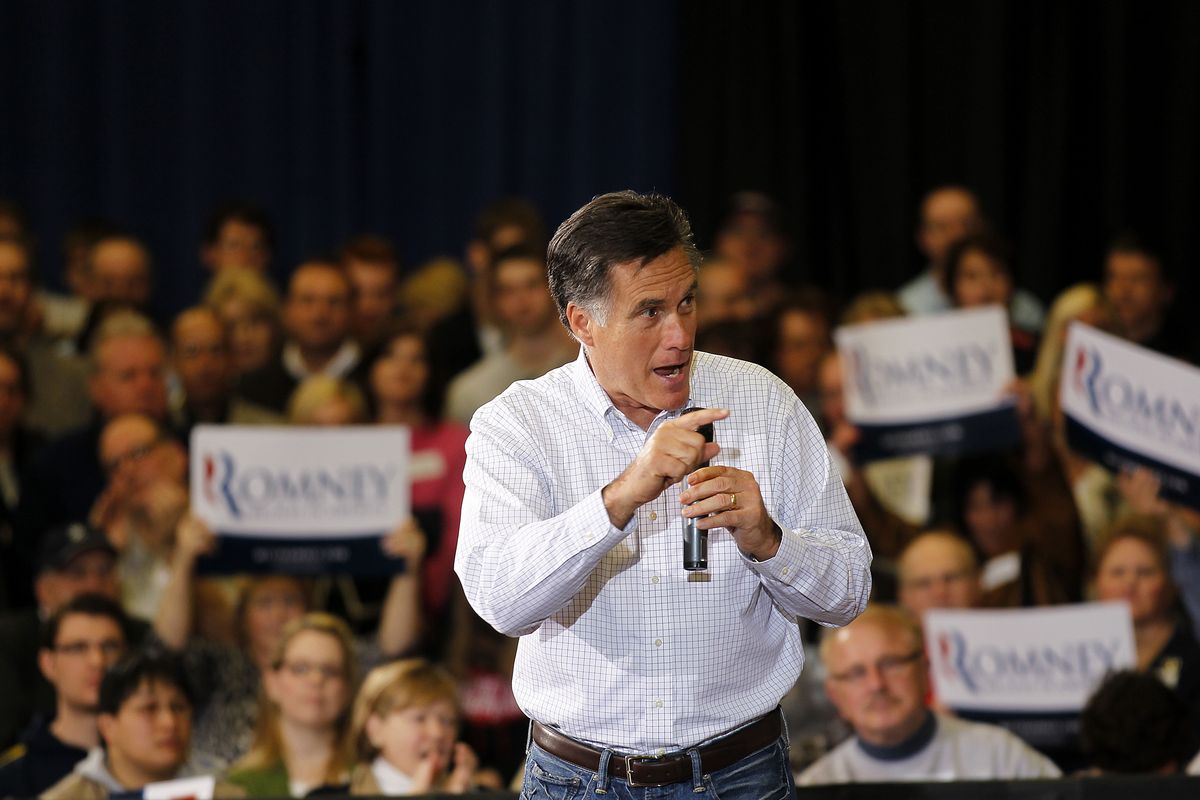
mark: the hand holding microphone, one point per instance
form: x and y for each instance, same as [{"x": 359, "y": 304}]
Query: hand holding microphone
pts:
[{"x": 671, "y": 452}]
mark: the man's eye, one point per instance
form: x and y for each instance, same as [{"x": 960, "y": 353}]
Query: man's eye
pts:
[{"x": 650, "y": 312}]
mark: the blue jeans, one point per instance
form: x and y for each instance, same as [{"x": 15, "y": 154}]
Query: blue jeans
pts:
[{"x": 763, "y": 775}]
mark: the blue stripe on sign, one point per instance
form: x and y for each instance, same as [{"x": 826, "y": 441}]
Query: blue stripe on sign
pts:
[
  {"x": 1177, "y": 485},
  {"x": 358, "y": 555},
  {"x": 996, "y": 429}
]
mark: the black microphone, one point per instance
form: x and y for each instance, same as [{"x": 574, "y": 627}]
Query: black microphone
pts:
[{"x": 695, "y": 542}]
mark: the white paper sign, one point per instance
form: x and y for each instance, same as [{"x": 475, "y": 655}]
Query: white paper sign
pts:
[
  {"x": 1126, "y": 405},
  {"x": 300, "y": 499},
  {"x": 1046, "y": 659},
  {"x": 199, "y": 788},
  {"x": 931, "y": 384}
]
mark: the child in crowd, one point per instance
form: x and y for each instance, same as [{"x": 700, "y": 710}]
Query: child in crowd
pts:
[{"x": 405, "y": 721}]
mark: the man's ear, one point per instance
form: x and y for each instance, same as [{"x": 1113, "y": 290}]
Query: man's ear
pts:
[
  {"x": 104, "y": 724},
  {"x": 581, "y": 322},
  {"x": 45, "y": 660}
]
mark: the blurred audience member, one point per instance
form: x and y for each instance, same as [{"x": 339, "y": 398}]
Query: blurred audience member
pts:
[
  {"x": 128, "y": 376},
  {"x": 201, "y": 358},
  {"x": 144, "y": 500},
  {"x": 436, "y": 290},
  {"x": 752, "y": 235},
  {"x": 535, "y": 342},
  {"x": 461, "y": 339},
  {"x": 722, "y": 293},
  {"x": 1029, "y": 557},
  {"x": 979, "y": 273},
  {"x": 14, "y": 223},
  {"x": 249, "y": 307},
  {"x": 937, "y": 570},
  {"x": 317, "y": 320},
  {"x": 404, "y": 726},
  {"x": 79, "y": 642},
  {"x": 947, "y": 215},
  {"x": 63, "y": 315},
  {"x": 145, "y": 720},
  {"x": 237, "y": 236},
  {"x": 802, "y": 326},
  {"x": 1141, "y": 489},
  {"x": 1132, "y": 724},
  {"x": 55, "y": 394},
  {"x": 877, "y": 678},
  {"x": 74, "y": 560},
  {"x": 871, "y": 307},
  {"x": 403, "y": 396},
  {"x": 327, "y": 401},
  {"x": 1141, "y": 293},
  {"x": 302, "y": 738},
  {"x": 119, "y": 272},
  {"x": 374, "y": 269},
  {"x": 1134, "y": 566},
  {"x": 1082, "y": 302}
]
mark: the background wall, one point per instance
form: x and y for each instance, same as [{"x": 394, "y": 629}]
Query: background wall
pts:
[{"x": 1070, "y": 118}]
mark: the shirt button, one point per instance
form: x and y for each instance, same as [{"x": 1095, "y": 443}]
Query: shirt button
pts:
[
  {"x": 654, "y": 579},
  {"x": 658, "y": 703},
  {"x": 658, "y": 642},
  {"x": 653, "y": 516},
  {"x": 785, "y": 571}
]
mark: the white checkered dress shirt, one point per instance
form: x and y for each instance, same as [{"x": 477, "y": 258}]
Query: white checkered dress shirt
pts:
[{"x": 620, "y": 646}]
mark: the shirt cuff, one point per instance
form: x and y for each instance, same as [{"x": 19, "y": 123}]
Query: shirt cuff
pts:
[
  {"x": 595, "y": 526},
  {"x": 781, "y": 566}
]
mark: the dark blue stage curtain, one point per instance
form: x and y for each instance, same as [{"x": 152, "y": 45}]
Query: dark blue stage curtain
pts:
[{"x": 339, "y": 117}]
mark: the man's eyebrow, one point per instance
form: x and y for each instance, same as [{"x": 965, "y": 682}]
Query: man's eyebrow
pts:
[{"x": 649, "y": 302}]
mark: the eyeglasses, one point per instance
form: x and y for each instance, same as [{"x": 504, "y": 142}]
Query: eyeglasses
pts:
[
  {"x": 109, "y": 648},
  {"x": 302, "y": 669},
  {"x": 888, "y": 665}
]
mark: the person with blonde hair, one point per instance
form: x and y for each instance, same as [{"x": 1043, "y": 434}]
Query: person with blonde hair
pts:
[
  {"x": 404, "y": 724},
  {"x": 302, "y": 739},
  {"x": 326, "y": 400},
  {"x": 250, "y": 308}
]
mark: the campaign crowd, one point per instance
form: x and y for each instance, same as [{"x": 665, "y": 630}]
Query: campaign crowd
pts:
[{"x": 121, "y": 664}]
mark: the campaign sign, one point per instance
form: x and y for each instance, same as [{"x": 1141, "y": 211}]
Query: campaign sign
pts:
[
  {"x": 300, "y": 500},
  {"x": 1127, "y": 406},
  {"x": 1024, "y": 660},
  {"x": 930, "y": 384}
]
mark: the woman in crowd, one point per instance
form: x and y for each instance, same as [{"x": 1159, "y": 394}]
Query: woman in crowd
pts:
[
  {"x": 302, "y": 736},
  {"x": 401, "y": 390},
  {"x": 1134, "y": 565},
  {"x": 979, "y": 273},
  {"x": 404, "y": 726},
  {"x": 228, "y": 675},
  {"x": 249, "y": 307}
]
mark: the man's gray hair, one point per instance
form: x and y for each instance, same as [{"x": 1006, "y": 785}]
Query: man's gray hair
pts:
[{"x": 612, "y": 229}]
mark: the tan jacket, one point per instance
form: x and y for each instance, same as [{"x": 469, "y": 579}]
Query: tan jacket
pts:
[{"x": 362, "y": 781}]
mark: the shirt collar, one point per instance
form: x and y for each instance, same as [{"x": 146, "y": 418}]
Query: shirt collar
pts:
[
  {"x": 599, "y": 403},
  {"x": 906, "y": 749},
  {"x": 343, "y": 361}
]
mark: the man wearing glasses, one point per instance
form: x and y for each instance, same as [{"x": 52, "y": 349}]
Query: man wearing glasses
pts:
[
  {"x": 877, "y": 678},
  {"x": 79, "y": 642},
  {"x": 75, "y": 559}
]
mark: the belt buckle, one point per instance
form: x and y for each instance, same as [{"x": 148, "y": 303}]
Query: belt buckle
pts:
[{"x": 630, "y": 761}]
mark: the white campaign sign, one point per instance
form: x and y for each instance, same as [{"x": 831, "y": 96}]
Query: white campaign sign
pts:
[
  {"x": 931, "y": 367},
  {"x": 1127, "y": 405},
  {"x": 1028, "y": 659},
  {"x": 300, "y": 500},
  {"x": 932, "y": 385}
]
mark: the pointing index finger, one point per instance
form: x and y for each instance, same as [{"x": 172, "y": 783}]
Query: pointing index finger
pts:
[{"x": 693, "y": 420}]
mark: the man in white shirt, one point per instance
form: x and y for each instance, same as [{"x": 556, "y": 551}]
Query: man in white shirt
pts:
[
  {"x": 877, "y": 677},
  {"x": 636, "y": 671}
]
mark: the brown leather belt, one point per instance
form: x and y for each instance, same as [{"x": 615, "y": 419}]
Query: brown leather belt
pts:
[{"x": 668, "y": 769}]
